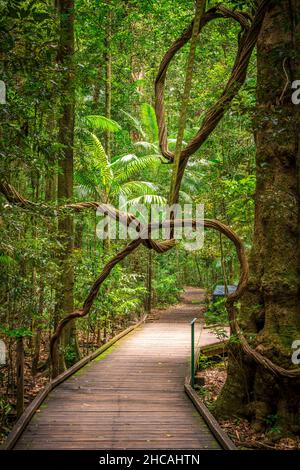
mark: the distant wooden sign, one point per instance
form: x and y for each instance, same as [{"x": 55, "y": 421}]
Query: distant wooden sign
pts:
[
  {"x": 2, "y": 92},
  {"x": 2, "y": 352}
]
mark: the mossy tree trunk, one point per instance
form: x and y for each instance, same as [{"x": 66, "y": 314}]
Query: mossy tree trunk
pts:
[{"x": 270, "y": 309}]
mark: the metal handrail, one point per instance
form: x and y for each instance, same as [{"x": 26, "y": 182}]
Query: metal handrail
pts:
[{"x": 193, "y": 352}]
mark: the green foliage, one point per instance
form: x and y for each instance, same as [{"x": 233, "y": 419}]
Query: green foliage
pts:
[
  {"x": 5, "y": 411},
  {"x": 16, "y": 332},
  {"x": 102, "y": 123},
  {"x": 109, "y": 180},
  {"x": 166, "y": 289},
  {"x": 216, "y": 312},
  {"x": 69, "y": 355},
  {"x": 128, "y": 165},
  {"x": 7, "y": 260},
  {"x": 204, "y": 362},
  {"x": 96, "y": 149},
  {"x": 273, "y": 425},
  {"x": 149, "y": 123}
]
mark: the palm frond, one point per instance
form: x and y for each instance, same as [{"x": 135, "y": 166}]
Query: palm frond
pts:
[
  {"x": 96, "y": 149},
  {"x": 136, "y": 123},
  {"x": 86, "y": 179},
  {"x": 124, "y": 170},
  {"x": 103, "y": 123},
  {"x": 132, "y": 188},
  {"x": 149, "y": 122},
  {"x": 146, "y": 145},
  {"x": 185, "y": 197},
  {"x": 148, "y": 199},
  {"x": 123, "y": 159}
]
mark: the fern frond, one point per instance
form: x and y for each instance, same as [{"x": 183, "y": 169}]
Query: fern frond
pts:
[
  {"x": 86, "y": 182},
  {"x": 85, "y": 179}
]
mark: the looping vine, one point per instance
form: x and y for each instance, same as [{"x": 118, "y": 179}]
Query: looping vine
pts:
[
  {"x": 247, "y": 42},
  {"x": 250, "y": 29}
]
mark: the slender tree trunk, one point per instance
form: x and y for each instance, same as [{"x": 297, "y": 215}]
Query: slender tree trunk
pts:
[
  {"x": 65, "y": 302},
  {"x": 51, "y": 170},
  {"x": 198, "y": 270},
  {"x": 223, "y": 265},
  {"x": 149, "y": 282},
  {"x": 36, "y": 350},
  {"x": 38, "y": 334},
  {"x": 97, "y": 88},
  {"x": 108, "y": 80},
  {"x": 270, "y": 307},
  {"x": 20, "y": 376}
]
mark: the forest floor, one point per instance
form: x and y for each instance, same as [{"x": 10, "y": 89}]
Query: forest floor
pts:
[
  {"x": 32, "y": 386},
  {"x": 240, "y": 430}
]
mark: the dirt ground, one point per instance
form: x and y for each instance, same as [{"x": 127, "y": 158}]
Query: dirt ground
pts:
[{"x": 240, "y": 430}]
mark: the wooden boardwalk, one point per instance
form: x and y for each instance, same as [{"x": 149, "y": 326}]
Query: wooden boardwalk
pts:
[{"x": 131, "y": 397}]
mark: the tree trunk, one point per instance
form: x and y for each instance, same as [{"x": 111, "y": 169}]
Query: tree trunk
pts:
[
  {"x": 223, "y": 265},
  {"x": 65, "y": 304},
  {"x": 108, "y": 80},
  {"x": 149, "y": 282},
  {"x": 270, "y": 307},
  {"x": 200, "y": 282},
  {"x": 97, "y": 88},
  {"x": 38, "y": 333},
  {"x": 20, "y": 376}
]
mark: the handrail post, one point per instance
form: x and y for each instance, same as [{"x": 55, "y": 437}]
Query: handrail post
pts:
[{"x": 193, "y": 352}]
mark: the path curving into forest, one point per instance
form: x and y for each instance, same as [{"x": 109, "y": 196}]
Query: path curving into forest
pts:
[{"x": 130, "y": 397}]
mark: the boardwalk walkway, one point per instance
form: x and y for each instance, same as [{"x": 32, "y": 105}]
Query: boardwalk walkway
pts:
[{"x": 131, "y": 397}]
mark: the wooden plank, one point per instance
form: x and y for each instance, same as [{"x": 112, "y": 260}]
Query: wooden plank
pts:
[
  {"x": 39, "y": 399},
  {"x": 133, "y": 398},
  {"x": 25, "y": 418},
  {"x": 209, "y": 419}
]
